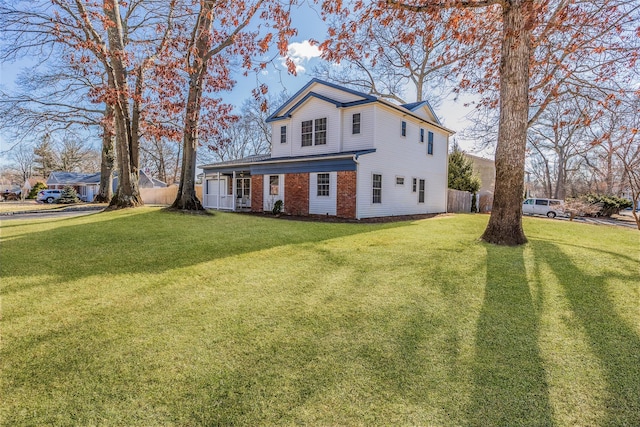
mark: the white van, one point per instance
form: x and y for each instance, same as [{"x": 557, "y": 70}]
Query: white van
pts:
[{"x": 548, "y": 207}]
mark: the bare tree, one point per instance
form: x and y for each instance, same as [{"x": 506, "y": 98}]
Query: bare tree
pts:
[
  {"x": 560, "y": 142},
  {"x": 115, "y": 39},
  {"x": 620, "y": 130},
  {"x": 209, "y": 53},
  {"x": 249, "y": 135},
  {"x": 22, "y": 160},
  {"x": 401, "y": 69}
]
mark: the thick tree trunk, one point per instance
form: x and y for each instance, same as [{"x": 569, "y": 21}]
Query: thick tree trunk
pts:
[
  {"x": 505, "y": 223},
  {"x": 127, "y": 194},
  {"x": 107, "y": 162},
  {"x": 186, "y": 198}
]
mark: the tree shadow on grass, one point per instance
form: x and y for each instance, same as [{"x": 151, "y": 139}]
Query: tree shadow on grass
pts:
[
  {"x": 510, "y": 387},
  {"x": 151, "y": 242},
  {"x": 611, "y": 339}
]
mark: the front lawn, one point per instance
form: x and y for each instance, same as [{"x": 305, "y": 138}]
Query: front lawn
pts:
[{"x": 143, "y": 317}]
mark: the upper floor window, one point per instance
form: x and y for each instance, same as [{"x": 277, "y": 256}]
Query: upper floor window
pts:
[
  {"x": 404, "y": 128},
  {"x": 307, "y": 133},
  {"x": 323, "y": 184},
  {"x": 314, "y": 132},
  {"x": 399, "y": 180},
  {"x": 283, "y": 134},
  {"x": 377, "y": 188},
  {"x": 430, "y": 143},
  {"x": 321, "y": 131},
  {"x": 421, "y": 135},
  {"x": 355, "y": 126}
]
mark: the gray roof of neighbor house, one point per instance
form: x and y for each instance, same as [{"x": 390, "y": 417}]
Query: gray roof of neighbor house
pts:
[
  {"x": 72, "y": 178},
  {"x": 147, "y": 181}
]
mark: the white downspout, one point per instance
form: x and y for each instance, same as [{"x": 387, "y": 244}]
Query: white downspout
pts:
[
  {"x": 355, "y": 160},
  {"x": 218, "y": 197}
]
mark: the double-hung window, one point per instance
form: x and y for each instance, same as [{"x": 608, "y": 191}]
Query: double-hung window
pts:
[
  {"x": 283, "y": 134},
  {"x": 307, "y": 133},
  {"x": 421, "y": 135},
  {"x": 323, "y": 184},
  {"x": 421, "y": 192},
  {"x": 314, "y": 132},
  {"x": 430, "y": 143},
  {"x": 377, "y": 188},
  {"x": 355, "y": 124},
  {"x": 321, "y": 131},
  {"x": 404, "y": 128}
]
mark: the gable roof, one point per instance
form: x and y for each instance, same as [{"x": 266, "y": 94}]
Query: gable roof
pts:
[
  {"x": 284, "y": 113},
  {"x": 71, "y": 178},
  {"x": 286, "y": 110},
  {"x": 414, "y": 106}
]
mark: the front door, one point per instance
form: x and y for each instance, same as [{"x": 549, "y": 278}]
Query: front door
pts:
[{"x": 243, "y": 193}]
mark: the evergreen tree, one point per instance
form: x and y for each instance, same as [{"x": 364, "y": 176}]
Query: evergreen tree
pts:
[
  {"x": 68, "y": 196},
  {"x": 461, "y": 175}
]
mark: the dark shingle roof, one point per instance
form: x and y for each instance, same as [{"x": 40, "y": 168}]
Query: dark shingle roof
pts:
[{"x": 71, "y": 178}]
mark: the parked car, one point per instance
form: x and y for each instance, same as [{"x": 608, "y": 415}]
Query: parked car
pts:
[
  {"x": 539, "y": 206},
  {"x": 48, "y": 196}
]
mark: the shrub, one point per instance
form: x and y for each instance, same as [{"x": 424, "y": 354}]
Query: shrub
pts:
[
  {"x": 35, "y": 189},
  {"x": 68, "y": 196},
  {"x": 277, "y": 207},
  {"x": 608, "y": 204}
]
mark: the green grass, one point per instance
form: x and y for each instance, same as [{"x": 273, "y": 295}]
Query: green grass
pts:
[{"x": 142, "y": 317}]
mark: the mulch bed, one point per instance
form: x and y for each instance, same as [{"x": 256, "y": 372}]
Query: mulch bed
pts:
[{"x": 333, "y": 219}]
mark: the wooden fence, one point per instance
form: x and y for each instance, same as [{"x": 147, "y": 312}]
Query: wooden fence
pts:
[
  {"x": 164, "y": 195},
  {"x": 459, "y": 201},
  {"x": 159, "y": 196}
]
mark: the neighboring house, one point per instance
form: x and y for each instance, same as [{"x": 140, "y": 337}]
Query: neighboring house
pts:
[
  {"x": 486, "y": 170},
  {"x": 87, "y": 185},
  {"x": 339, "y": 152}
]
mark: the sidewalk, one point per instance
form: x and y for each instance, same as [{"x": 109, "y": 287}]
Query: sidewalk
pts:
[{"x": 28, "y": 207}]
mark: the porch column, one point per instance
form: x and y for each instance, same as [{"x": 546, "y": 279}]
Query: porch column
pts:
[
  {"x": 233, "y": 191},
  {"x": 218, "y": 196}
]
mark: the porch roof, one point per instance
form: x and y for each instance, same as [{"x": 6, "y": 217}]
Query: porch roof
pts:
[{"x": 260, "y": 165}]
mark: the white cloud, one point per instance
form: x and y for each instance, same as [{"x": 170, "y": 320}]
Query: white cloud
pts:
[{"x": 300, "y": 53}]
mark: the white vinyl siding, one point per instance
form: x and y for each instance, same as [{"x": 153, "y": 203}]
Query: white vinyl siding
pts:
[
  {"x": 407, "y": 159},
  {"x": 323, "y": 205},
  {"x": 358, "y": 141}
]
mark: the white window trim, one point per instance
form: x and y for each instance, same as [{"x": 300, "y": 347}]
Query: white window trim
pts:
[{"x": 372, "y": 188}]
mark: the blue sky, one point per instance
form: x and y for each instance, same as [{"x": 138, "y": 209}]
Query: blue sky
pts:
[{"x": 307, "y": 20}]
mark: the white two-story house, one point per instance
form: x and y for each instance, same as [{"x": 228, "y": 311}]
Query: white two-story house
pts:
[{"x": 340, "y": 152}]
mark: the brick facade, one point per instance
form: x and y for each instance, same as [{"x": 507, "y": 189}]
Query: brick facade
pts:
[
  {"x": 346, "y": 197},
  {"x": 257, "y": 189},
  {"x": 296, "y": 193}
]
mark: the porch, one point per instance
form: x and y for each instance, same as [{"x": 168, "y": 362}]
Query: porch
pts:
[{"x": 227, "y": 191}]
